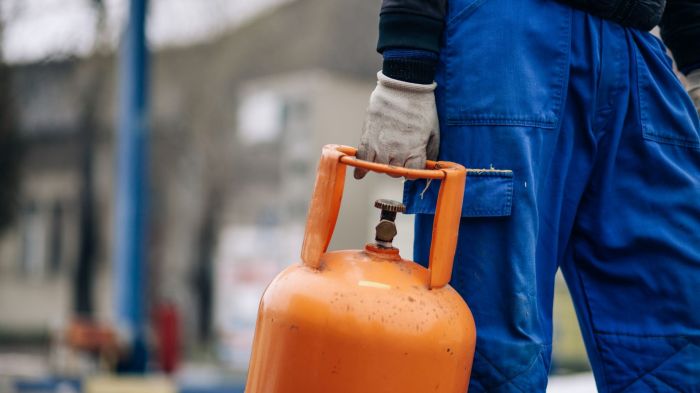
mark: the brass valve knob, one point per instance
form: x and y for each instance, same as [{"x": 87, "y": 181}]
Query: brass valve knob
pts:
[
  {"x": 386, "y": 229},
  {"x": 390, "y": 205}
]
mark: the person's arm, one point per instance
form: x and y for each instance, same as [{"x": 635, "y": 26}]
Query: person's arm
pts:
[
  {"x": 401, "y": 124},
  {"x": 680, "y": 30},
  {"x": 409, "y": 38}
]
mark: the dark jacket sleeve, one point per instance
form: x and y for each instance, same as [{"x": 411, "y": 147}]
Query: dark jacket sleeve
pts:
[
  {"x": 680, "y": 30},
  {"x": 414, "y": 24}
]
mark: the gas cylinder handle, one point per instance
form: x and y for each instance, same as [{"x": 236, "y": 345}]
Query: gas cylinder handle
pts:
[{"x": 328, "y": 193}]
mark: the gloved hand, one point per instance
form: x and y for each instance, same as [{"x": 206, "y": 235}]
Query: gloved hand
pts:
[
  {"x": 401, "y": 125},
  {"x": 694, "y": 88}
]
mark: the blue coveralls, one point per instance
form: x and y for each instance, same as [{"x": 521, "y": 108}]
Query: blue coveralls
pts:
[{"x": 590, "y": 151}]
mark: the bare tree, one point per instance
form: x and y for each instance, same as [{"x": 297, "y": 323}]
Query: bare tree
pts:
[
  {"x": 88, "y": 237},
  {"x": 10, "y": 145}
]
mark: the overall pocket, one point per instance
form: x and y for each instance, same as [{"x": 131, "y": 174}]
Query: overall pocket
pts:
[
  {"x": 667, "y": 114},
  {"x": 505, "y": 62},
  {"x": 488, "y": 193}
]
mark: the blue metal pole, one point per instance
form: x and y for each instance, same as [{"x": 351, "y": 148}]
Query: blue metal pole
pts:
[{"x": 131, "y": 190}]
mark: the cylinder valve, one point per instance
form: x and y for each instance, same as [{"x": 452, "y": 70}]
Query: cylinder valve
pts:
[{"x": 386, "y": 229}]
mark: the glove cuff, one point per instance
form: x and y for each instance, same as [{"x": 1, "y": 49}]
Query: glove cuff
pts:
[{"x": 404, "y": 86}]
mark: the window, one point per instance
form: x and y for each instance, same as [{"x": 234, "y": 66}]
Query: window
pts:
[{"x": 33, "y": 255}]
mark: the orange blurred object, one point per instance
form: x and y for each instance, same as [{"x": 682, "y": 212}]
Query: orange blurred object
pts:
[
  {"x": 86, "y": 335},
  {"x": 366, "y": 320}
]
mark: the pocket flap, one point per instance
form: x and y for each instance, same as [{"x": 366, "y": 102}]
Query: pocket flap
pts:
[{"x": 488, "y": 193}]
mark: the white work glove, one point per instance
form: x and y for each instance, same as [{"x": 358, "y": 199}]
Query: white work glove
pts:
[
  {"x": 694, "y": 88},
  {"x": 401, "y": 125}
]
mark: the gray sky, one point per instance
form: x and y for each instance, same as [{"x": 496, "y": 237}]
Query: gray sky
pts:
[{"x": 41, "y": 29}]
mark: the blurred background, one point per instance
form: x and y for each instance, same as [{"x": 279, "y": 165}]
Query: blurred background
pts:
[{"x": 156, "y": 162}]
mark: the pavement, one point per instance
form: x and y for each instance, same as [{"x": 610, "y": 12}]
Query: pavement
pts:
[
  {"x": 576, "y": 383},
  {"x": 572, "y": 383},
  {"x": 29, "y": 374}
]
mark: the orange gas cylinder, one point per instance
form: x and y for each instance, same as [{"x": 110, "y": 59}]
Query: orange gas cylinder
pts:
[{"x": 366, "y": 321}]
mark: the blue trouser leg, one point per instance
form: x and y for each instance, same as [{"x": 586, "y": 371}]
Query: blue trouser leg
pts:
[
  {"x": 604, "y": 153},
  {"x": 633, "y": 258}
]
